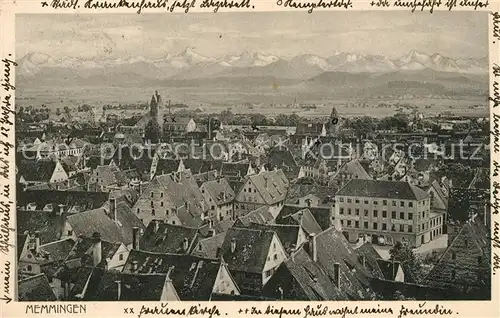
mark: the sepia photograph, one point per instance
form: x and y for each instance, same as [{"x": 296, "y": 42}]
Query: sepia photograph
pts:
[{"x": 264, "y": 156}]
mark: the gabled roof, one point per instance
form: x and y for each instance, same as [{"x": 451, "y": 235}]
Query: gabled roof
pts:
[
  {"x": 168, "y": 238},
  {"x": 300, "y": 190},
  {"x": 303, "y": 218},
  {"x": 35, "y": 288},
  {"x": 36, "y": 170},
  {"x": 468, "y": 256},
  {"x": 235, "y": 169},
  {"x": 219, "y": 190},
  {"x": 382, "y": 189},
  {"x": 201, "y": 166},
  {"x": 259, "y": 216},
  {"x": 86, "y": 223},
  {"x": 77, "y": 201},
  {"x": 288, "y": 234},
  {"x": 193, "y": 277},
  {"x": 321, "y": 215},
  {"x": 272, "y": 186},
  {"x": 355, "y": 169},
  {"x": 209, "y": 247},
  {"x": 82, "y": 250},
  {"x": 300, "y": 278},
  {"x": 389, "y": 269},
  {"x": 371, "y": 256},
  {"x": 58, "y": 250},
  {"x": 133, "y": 287},
  {"x": 22, "y": 239},
  {"x": 333, "y": 247},
  {"x": 166, "y": 166},
  {"x": 252, "y": 247},
  {"x": 48, "y": 224}
]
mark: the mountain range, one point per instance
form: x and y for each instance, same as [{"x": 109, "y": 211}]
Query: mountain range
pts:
[
  {"x": 191, "y": 65},
  {"x": 336, "y": 75}
]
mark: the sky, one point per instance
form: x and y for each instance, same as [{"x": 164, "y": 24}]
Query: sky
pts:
[{"x": 390, "y": 33}]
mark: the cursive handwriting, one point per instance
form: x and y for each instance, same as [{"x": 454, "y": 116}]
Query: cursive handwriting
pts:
[
  {"x": 496, "y": 133},
  {"x": 225, "y": 4},
  {"x": 437, "y": 310},
  {"x": 313, "y": 5},
  {"x": 5, "y": 229},
  {"x": 139, "y": 5}
]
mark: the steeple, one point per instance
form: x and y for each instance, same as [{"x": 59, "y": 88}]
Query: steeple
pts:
[
  {"x": 155, "y": 107},
  {"x": 334, "y": 113}
]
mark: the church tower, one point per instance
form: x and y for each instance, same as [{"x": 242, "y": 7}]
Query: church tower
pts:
[
  {"x": 156, "y": 108},
  {"x": 333, "y": 122}
]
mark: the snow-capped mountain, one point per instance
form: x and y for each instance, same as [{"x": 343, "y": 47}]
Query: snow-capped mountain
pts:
[{"x": 189, "y": 64}]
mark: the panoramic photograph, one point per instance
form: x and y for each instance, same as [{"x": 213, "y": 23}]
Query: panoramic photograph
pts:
[{"x": 253, "y": 156}]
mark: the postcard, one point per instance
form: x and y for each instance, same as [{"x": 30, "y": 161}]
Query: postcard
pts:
[{"x": 246, "y": 158}]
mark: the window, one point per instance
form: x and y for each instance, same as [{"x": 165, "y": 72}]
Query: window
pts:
[
  {"x": 349, "y": 211},
  {"x": 419, "y": 228},
  {"x": 393, "y": 228},
  {"x": 357, "y": 201},
  {"x": 161, "y": 203},
  {"x": 366, "y": 201},
  {"x": 393, "y": 214},
  {"x": 410, "y": 216},
  {"x": 356, "y": 224},
  {"x": 402, "y": 204},
  {"x": 120, "y": 257},
  {"x": 349, "y": 223},
  {"x": 161, "y": 195},
  {"x": 341, "y": 210},
  {"x": 152, "y": 194},
  {"x": 275, "y": 257},
  {"x": 138, "y": 210},
  {"x": 401, "y": 228},
  {"x": 375, "y": 202},
  {"x": 375, "y": 225},
  {"x": 70, "y": 232},
  {"x": 341, "y": 199},
  {"x": 366, "y": 225},
  {"x": 173, "y": 222},
  {"x": 384, "y": 214},
  {"x": 244, "y": 189},
  {"x": 153, "y": 212},
  {"x": 212, "y": 207},
  {"x": 152, "y": 204},
  {"x": 365, "y": 211},
  {"x": 384, "y": 227},
  {"x": 393, "y": 203},
  {"x": 357, "y": 211},
  {"x": 410, "y": 204},
  {"x": 402, "y": 215},
  {"x": 342, "y": 222},
  {"x": 384, "y": 202},
  {"x": 349, "y": 200},
  {"x": 29, "y": 268},
  {"x": 375, "y": 213}
]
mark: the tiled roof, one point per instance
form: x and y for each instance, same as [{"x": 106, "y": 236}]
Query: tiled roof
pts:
[
  {"x": 87, "y": 223},
  {"x": 252, "y": 247},
  {"x": 466, "y": 261},
  {"x": 201, "y": 166},
  {"x": 82, "y": 250},
  {"x": 370, "y": 258},
  {"x": 382, "y": 189},
  {"x": 133, "y": 287},
  {"x": 312, "y": 128},
  {"x": 300, "y": 190},
  {"x": 234, "y": 169},
  {"x": 260, "y": 215},
  {"x": 76, "y": 201},
  {"x": 193, "y": 277},
  {"x": 58, "y": 250},
  {"x": 209, "y": 247},
  {"x": 333, "y": 247},
  {"x": 321, "y": 215},
  {"x": 305, "y": 219},
  {"x": 355, "y": 169},
  {"x": 36, "y": 170},
  {"x": 22, "y": 239},
  {"x": 220, "y": 191},
  {"x": 388, "y": 268},
  {"x": 205, "y": 176},
  {"x": 288, "y": 234},
  {"x": 300, "y": 278},
  {"x": 167, "y": 238},
  {"x": 47, "y": 224},
  {"x": 166, "y": 166},
  {"x": 35, "y": 288},
  {"x": 272, "y": 186},
  {"x": 461, "y": 201}
]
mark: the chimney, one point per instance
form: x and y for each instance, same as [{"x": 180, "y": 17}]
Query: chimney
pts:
[
  {"x": 313, "y": 249},
  {"x": 292, "y": 252},
  {"x": 112, "y": 208},
  {"x": 156, "y": 225},
  {"x": 135, "y": 238},
  {"x": 140, "y": 187},
  {"x": 362, "y": 259},
  {"x": 134, "y": 266},
  {"x": 37, "y": 243},
  {"x": 233, "y": 245},
  {"x": 118, "y": 289},
  {"x": 96, "y": 249},
  {"x": 185, "y": 245},
  {"x": 187, "y": 206},
  {"x": 336, "y": 273}
]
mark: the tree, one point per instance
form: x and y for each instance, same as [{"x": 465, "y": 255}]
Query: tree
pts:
[
  {"x": 404, "y": 254},
  {"x": 66, "y": 110},
  {"x": 152, "y": 131},
  {"x": 58, "y": 111}
]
